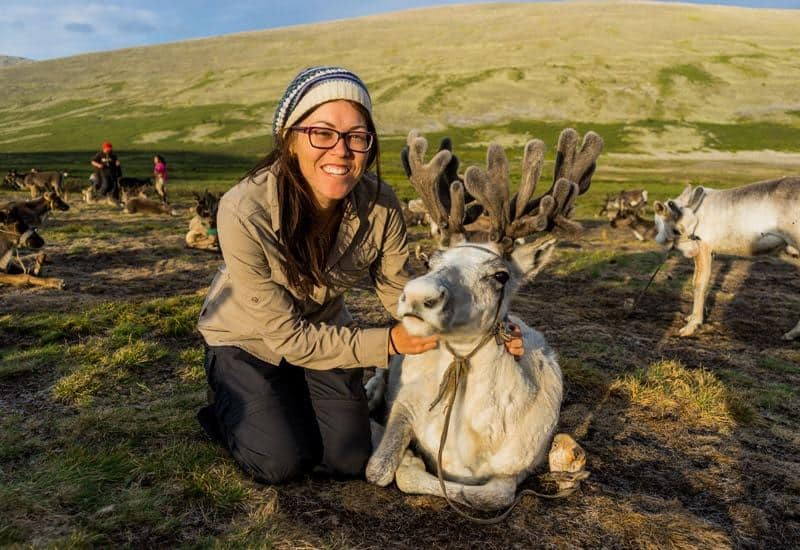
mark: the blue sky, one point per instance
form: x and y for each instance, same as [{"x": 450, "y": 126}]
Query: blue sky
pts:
[{"x": 45, "y": 29}]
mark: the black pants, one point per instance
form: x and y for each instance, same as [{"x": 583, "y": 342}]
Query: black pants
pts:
[
  {"x": 280, "y": 422},
  {"x": 106, "y": 183}
]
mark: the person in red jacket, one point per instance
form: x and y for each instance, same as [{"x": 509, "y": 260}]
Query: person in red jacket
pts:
[{"x": 107, "y": 169}]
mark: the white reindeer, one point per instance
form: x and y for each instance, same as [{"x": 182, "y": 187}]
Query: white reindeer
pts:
[
  {"x": 503, "y": 413},
  {"x": 759, "y": 218}
]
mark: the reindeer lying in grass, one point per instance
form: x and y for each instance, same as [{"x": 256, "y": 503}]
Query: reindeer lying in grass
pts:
[
  {"x": 36, "y": 211},
  {"x": 505, "y": 412},
  {"x": 759, "y": 218},
  {"x": 141, "y": 205},
  {"x": 623, "y": 203},
  {"x": 133, "y": 187},
  {"x": 203, "y": 225},
  {"x": 37, "y": 182},
  {"x": 16, "y": 233},
  {"x": 625, "y": 209}
]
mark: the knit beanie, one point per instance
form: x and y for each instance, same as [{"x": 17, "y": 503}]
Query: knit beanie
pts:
[{"x": 313, "y": 87}]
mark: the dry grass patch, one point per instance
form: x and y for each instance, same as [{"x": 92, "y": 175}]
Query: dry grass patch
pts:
[{"x": 669, "y": 388}]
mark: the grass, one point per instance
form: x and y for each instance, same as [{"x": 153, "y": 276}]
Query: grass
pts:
[
  {"x": 696, "y": 395},
  {"x": 691, "y": 73},
  {"x": 127, "y": 452},
  {"x": 107, "y": 452}
]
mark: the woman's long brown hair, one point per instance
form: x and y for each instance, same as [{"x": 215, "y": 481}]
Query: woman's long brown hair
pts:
[{"x": 304, "y": 252}]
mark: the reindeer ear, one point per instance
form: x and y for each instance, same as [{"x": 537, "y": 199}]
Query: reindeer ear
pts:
[
  {"x": 660, "y": 209},
  {"x": 696, "y": 197},
  {"x": 685, "y": 194},
  {"x": 532, "y": 257}
]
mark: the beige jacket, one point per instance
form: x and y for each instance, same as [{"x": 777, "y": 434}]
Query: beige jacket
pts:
[{"x": 251, "y": 306}]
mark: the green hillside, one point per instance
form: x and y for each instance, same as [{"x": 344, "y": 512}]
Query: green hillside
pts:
[{"x": 678, "y": 72}]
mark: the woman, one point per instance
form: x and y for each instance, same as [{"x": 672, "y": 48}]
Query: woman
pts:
[
  {"x": 284, "y": 361},
  {"x": 160, "y": 176}
]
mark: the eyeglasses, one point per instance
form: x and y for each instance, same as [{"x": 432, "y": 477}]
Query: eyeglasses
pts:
[{"x": 320, "y": 137}]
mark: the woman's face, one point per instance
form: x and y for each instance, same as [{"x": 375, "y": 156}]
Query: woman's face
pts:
[{"x": 331, "y": 173}]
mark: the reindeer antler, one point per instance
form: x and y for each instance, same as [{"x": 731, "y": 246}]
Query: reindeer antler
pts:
[
  {"x": 521, "y": 216},
  {"x": 432, "y": 181}
]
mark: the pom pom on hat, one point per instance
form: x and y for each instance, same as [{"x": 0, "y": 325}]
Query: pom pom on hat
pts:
[{"x": 313, "y": 87}]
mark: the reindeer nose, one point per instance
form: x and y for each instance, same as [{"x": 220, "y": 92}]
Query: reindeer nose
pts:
[{"x": 421, "y": 295}]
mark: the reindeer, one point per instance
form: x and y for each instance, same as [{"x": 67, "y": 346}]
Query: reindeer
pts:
[
  {"x": 16, "y": 233},
  {"x": 755, "y": 219},
  {"x": 203, "y": 226},
  {"x": 133, "y": 187},
  {"x": 506, "y": 411},
  {"x": 36, "y": 211},
  {"x": 140, "y": 205},
  {"x": 642, "y": 228},
  {"x": 37, "y": 182},
  {"x": 624, "y": 203}
]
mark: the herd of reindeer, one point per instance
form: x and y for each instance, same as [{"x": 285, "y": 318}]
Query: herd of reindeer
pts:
[
  {"x": 492, "y": 421},
  {"x": 21, "y": 220}
]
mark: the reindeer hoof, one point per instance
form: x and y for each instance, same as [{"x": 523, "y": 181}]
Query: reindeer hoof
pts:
[
  {"x": 789, "y": 336},
  {"x": 378, "y": 473},
  {"x": 688, "y": 330}
]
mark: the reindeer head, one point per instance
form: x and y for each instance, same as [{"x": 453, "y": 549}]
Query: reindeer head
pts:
[
  {"x": 611, "y": 207},
  {"x": 55, "y": 202},
  {"x": 474, "y": 276},
  {"x": 676, "y": 220},
  {"x": 13, "y": 179},
  {"x": 15, "y": 231}
]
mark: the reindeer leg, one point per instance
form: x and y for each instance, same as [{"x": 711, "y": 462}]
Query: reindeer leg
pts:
[
  {"x": 496, "y": 493},
  {"x": 386, "y": 457},
  {"x": 700, "y": 279},
  {"x": 794, "y": 333},
  {"x": 23, "y": 279}
]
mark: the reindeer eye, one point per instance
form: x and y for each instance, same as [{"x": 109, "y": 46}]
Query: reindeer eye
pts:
[{"x": 501, "y": 277}]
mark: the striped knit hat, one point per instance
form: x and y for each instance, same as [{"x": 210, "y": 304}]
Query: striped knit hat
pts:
[{"x": 315, "y": 86}]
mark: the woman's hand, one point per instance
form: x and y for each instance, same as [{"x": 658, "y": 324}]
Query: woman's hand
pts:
[
  {"x": 515, "y": 346},
  {"x": 400, "y": 341}
]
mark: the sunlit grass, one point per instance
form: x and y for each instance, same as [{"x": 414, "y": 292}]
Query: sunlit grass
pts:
[{"x": 695, "y": 395}]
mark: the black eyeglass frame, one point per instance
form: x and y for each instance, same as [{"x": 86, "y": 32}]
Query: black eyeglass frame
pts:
[{"x": 339, "y": 136}]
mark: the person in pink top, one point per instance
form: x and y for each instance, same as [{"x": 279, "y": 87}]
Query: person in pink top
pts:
[{"x": 160, "y": 174}]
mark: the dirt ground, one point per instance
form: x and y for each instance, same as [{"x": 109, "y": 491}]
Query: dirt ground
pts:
[{"x": 660, "y": 477}]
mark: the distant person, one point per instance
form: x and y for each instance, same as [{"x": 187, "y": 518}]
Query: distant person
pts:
[
  {"x": 284, "y": 357},
  {"x": 107, "y": 170},
  {"x": 160, "y": 177}
]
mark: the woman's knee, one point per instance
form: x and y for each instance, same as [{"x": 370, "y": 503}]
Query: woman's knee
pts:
[
  {"x": 275, "y": 467},
  {"x": 347, "y": 456}
]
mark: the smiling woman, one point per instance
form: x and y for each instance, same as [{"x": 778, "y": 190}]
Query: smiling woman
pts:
[{"x": 284, "y": 361}]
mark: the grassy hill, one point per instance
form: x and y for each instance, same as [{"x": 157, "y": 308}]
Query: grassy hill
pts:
[
  {"x": 681, "y": 73},
  {"x": 8, "y": 60},
  {"x": 664, "y": 84}
]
